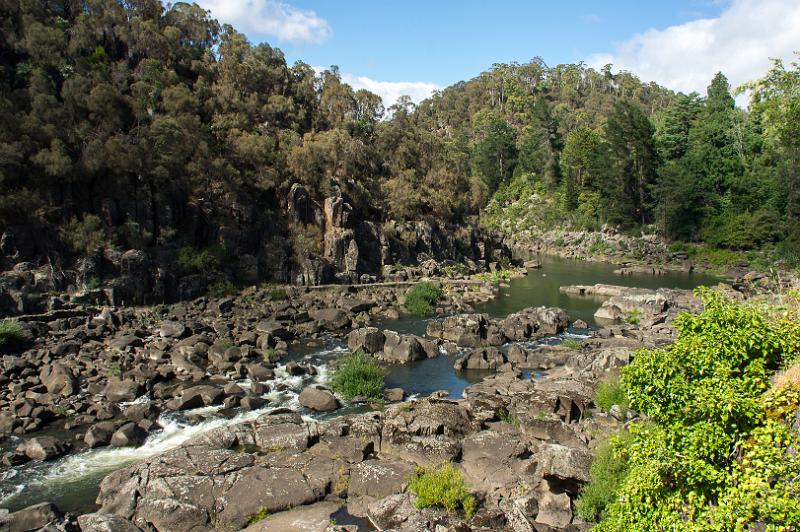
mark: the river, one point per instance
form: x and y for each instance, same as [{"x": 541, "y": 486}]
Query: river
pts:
[{"x": 72, "y": 482}]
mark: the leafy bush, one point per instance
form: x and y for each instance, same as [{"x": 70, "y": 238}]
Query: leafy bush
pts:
[
  {"x": 572, "y": 343},
  {"x": 422, "y": 297},
  {"x": 442, "y": 486},
  {"x": 719, "y": 452},
  {"x": 84, "y": 236},
  {"x": 221, "y": 288},
  {"x": 634, "y": 316},
  {"x": 358, "y": 374},
  {"x": 609, "y": 393},
  {"x": 208, "y": 260},
  {"x": 279, "y": 294},
  {"x": 498, "y": 276},
  {"x": 10, "y": 331},
  {"x": 609, "y": 468}
]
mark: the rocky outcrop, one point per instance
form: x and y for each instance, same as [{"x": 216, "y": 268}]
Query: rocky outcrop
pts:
[
  {"x": 473, "y": 330},
  {"x": 637, "y": 305}
]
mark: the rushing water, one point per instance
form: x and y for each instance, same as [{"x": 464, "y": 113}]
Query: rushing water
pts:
[{"x": 72, "y": 482}]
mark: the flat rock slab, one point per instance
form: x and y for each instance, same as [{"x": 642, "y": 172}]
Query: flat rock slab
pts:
[{"x": 312, "y": 518}]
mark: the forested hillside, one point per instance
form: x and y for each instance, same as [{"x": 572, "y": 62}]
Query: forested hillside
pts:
[{"x": 128, "y": 125}]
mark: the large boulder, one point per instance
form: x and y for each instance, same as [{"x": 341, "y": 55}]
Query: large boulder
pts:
[
  {"x": 43, "y": 448},
  {"x": 465, "y": 330},
  {"x": 59, "y": 380},
  {"x": 37, "y": 517},
  {"x": 367, "y": 339},
  {"x": 402, "y": 348},
  {"x": 534, "y": 322},
  {"x": 118, "y": 391},
  {"x": 318, "y": 399},
  {"x": 331, "y": 319},
  {"x": 489, "y": 358},
  {"x": 426, "y": 431}
]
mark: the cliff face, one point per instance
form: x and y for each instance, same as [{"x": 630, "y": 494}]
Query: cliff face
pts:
[{"x": 305, "y": 242}]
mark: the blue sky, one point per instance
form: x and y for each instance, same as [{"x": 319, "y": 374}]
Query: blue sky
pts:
[
  {"x": 415, "y": 46},
  {"x": 444, "y": 42}
]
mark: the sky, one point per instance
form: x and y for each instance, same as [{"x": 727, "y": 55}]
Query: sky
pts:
[{"x": 415, "y": 47}]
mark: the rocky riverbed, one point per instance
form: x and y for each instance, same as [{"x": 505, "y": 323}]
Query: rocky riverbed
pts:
[{"x": 127, "y": 378}]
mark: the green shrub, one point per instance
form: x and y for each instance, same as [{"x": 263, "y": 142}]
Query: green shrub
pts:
[
  {"x": 508, "y": 417},
  {"x": 258, "y": 516},
  {"x": 208, "y": 260},
  {"x": 10, "y": 331},
  {"x": 498, "y": 276},
  {"x": 279, "y": 294},
  {"x": 609, "y": 393},
  {"x": 634, "y": 316},
  {"x": 422, "y": 297},
  {"x": 358, "y": 374},
  {"x": 442, "y": 486},
  {"x": 84, "y": 236},
  {"x": 572, "y": 343},
  {"x": 609, "y": 468},
  {"x": 221, "y": 289},
  {"x": 718, "y": 451}
]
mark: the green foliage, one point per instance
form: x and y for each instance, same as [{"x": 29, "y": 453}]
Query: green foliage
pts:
[
  {"x": 92, "y": 283},
  {"x": 358, "y": 374},
  {"x": 608, "y": 472},
  {"x": 10, "y": 331},
  {"x": 634, "y": 316},
  {"x": 497, "y": 276},
  {"x": 208, "y": 260},
  {"x": 718, "y": 452},
  {"x": 442, "y": 486},
  {"x": 84, "y": 236},
  {"x": 422, "y": 297},
  {"x": 221, "y": 289},
  {"x": 572, "y": 343},
  {"x": 508, "y": 417},
  {"x": 279, "y": 294},
  {"x": 258, "y": 516},
  {"x": 609, "y": 393}
]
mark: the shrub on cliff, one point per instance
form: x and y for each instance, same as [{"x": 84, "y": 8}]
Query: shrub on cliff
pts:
[
  {"x": 718, "y": 451},
  {"x": 422, "y": 297},
  {"x": 10, "y": 331},
  {"x": 358, "y": 374}
]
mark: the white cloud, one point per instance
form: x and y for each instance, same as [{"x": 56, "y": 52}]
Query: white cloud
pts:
[
  {"x": 740, "y": 43},
  {"x": 390, "y": 91},
  {"x": 271, "y": 17}
]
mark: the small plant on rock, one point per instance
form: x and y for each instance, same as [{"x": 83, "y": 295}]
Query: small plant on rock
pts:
[
  {"x": 358, "y": 374},
  {"x": 422, "y": 297},
  {"x": 634, "y": 316},
  {"x": 10, "y": 331},
  {"x": 442, "y": 486},
  {"x": 609, "y": 393},
  {"x": 258, "y": 516},
  {"x": 572, "y": 343}
]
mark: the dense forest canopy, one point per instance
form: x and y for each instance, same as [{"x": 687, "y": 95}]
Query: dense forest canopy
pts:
[{"x": 118, "y": 116}]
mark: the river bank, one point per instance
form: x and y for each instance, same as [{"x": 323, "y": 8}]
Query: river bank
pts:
[{"x": 251, "y": 323}]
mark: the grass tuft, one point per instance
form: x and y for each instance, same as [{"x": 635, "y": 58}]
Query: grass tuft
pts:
[
  {"x": 442, "y": 486},
  {"x": 422, "y": 297},
  {"x": 609, "y": 393},
  {"x": 358, "y": 374},
  {"x": 10, "y": 331}
]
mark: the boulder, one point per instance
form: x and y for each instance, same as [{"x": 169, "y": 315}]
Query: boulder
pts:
[
  {"x": 310, "y": 518},
  {"x": 427, "y": 431},
  {"x": 99, "y": 434},
  {"x": 97, "y": 522},
  {"x": 172, "y": 329},
  {"x": 489, "y": 358},
  {"x": 465, "y": 330},
  {"x": 402, "y": 348},
  {"x": 59, "y": 380},
  {"x": 118, "y": 391},
  {"x": 555, "y": 510},
  {"x": 379, "y": 478},
  {"x": 317, "y": 399},
  {"x": 331, "y": 319},
  {"x": 35, "y": 517},
  {"x": 367, "y": 339},
  {"x": 44, "y": 448},
  {"x": 128, "y": 435}
]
